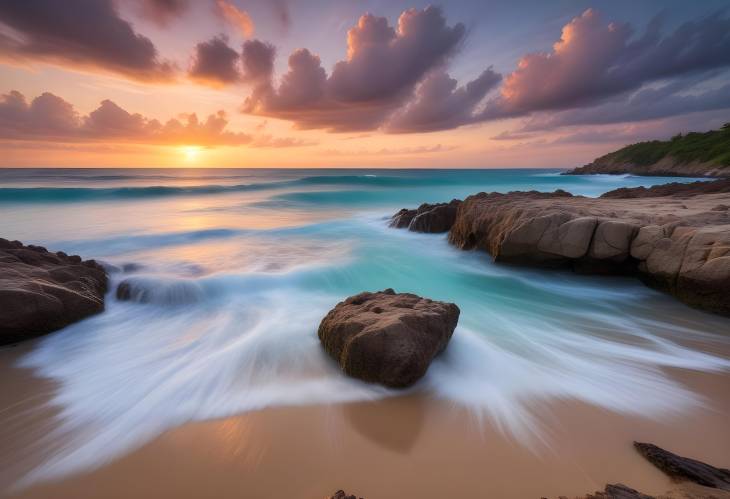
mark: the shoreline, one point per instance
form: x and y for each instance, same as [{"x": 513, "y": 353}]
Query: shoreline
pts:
[
  {"x": 413, "y": 445},
  {"x": 378, "y": 450}
]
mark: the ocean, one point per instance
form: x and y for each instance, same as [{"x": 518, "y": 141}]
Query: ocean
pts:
[{"x": 238, "y": 267}]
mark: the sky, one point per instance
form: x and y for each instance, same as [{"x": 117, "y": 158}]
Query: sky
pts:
[{"x": 354, "y": 83}]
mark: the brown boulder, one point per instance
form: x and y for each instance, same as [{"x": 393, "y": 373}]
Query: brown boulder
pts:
[
  {"x": 387, "y": 337},
  {"x": 41, "y": 291}
]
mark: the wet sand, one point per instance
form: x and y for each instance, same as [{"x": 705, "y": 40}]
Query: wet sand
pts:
[{"x": 409, "y": 446}]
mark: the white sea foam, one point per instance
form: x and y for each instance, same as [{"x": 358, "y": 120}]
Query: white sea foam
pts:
[{"x": 140, "y": 369}]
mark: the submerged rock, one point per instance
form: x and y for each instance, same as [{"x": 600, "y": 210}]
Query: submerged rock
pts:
[
  {"x": 683, "y": 468},
  {"x": 431, "y": 218},
  {"x": 162, "y": 291},
  {"x": 387, "y": 337},
  {"x": 41, "y": 291}
]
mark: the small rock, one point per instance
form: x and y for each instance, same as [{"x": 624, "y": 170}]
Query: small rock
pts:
[
  {"x": 683, "y": 468},
  {"x": 618, "y": 491},
  {"x": 341, "y": 494}
]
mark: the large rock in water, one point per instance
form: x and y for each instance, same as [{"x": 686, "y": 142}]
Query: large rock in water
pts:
[
  {"x": 675, "y": 238},
  {"x": 42, "y": 291},
  {"x": 431, "y": 218},
  {"x": 387, "y": 337}
]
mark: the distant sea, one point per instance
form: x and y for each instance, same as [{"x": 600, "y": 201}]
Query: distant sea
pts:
[{"x": 239, "y": 266}]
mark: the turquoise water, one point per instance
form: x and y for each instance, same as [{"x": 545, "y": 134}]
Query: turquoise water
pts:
[{"x": 241, "y": 265}]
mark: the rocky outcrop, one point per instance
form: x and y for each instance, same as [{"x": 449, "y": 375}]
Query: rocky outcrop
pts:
[
  {"x": 675, "y": 238},
  {"x": 41, "y": 291},
  {"x": 387, "y": 337},
  {"x": 675, "y": 189},
  {"x": 666, "y": 167},
  {"x": 689, "y": 155},
  {"x": 431, "y": 218},
  {"x": 683, "y": 468}
]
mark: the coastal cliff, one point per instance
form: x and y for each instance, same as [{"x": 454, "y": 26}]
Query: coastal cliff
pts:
[
  {"x": 691, "y": 155},
  {"x": 675, "y": 237}
]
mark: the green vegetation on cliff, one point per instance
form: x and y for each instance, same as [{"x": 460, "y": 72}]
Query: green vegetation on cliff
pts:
[{"x": 709, "y": 147}]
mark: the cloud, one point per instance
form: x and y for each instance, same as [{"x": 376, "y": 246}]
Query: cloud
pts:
[
  {"x": 258, "y": 63},
  {"x": 383, "y": 67},
  {"x": 236, "y": 17},
  {"x": 668, "y": 100},
  {"x": 440, "y": 105},
  {"x": 594, "y": 60},
  {"x": 50, "y": 118},
  {"x": 89, "y": 33},
  {"x": 215, "y": 63},
  {"x": 162, "y": 12},
  {"x": 628, "y": 133},
  {"x": 393, "y": 151},
  {"x": 281, "y": 12}
]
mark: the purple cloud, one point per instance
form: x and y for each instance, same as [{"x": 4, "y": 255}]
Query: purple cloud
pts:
[
  {"x": 647, "y": 104},
  {"x": 382, "y": 69},
  {"x": 162, "y": 12},
  {"x": 215, "y": 63},
  {"x": 594, "y": 60},
  {"x": 440, "y": 105},
  {"x": 88, "y": 34},
  {"x": 258, "y": 62}
]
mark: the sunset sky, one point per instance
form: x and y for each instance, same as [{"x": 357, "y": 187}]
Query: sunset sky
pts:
[{"x": 346, "y": 83}]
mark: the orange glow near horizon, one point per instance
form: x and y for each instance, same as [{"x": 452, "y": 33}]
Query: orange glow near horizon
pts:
[{"x": 66, "y": 107}]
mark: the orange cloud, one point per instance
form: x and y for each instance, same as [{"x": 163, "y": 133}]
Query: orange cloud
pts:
[
  {"x": 52, "y": 119},
  {"x": 236, "y": 17}
]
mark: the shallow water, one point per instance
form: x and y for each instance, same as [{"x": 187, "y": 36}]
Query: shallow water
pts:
[{"x": 239, "y": 266}]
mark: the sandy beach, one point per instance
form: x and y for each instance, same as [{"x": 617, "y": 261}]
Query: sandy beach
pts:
[{"x": 412, "y": 446}]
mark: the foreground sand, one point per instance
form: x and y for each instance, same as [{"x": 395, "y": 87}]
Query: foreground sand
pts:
[{"x": 411, "y": 446}]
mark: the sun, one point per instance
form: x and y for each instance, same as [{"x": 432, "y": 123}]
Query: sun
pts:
[{"x": 191, "y": 153}]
